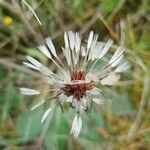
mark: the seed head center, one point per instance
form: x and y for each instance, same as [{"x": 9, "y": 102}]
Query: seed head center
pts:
[{"x": 77, "y": 87}]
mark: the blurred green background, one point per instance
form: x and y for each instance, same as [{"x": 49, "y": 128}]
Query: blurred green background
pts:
[{"x": 122, "y": 124}]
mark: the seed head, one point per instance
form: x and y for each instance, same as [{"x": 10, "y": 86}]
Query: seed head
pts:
[{"x": 78, "y": 78}]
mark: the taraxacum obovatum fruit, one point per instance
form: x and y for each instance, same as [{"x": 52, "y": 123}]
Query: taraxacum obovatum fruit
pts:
[{"x": 78, "y": 79}]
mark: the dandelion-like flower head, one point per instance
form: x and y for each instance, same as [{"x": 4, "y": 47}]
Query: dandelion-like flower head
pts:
[{"x": 78, "y": 79}]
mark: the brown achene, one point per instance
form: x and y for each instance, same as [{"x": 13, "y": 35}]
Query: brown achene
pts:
[{"x": 78, "y": 87}]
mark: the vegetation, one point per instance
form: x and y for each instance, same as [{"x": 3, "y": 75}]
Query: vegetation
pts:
[{"x": 122, "y": 124}]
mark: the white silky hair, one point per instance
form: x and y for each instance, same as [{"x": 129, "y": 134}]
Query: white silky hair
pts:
[
  {"x": 51, "y": 46},
  {"x": 47, "y": 112},
  {"x": 27, "y": 91},
  {"x": 45, "y": 51},
  {"x": 90, "y": 39},
  {"x": 76, "y": 126},
  {"x": 111, "y": 79},
  {"x": 41, "y": 102}
]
